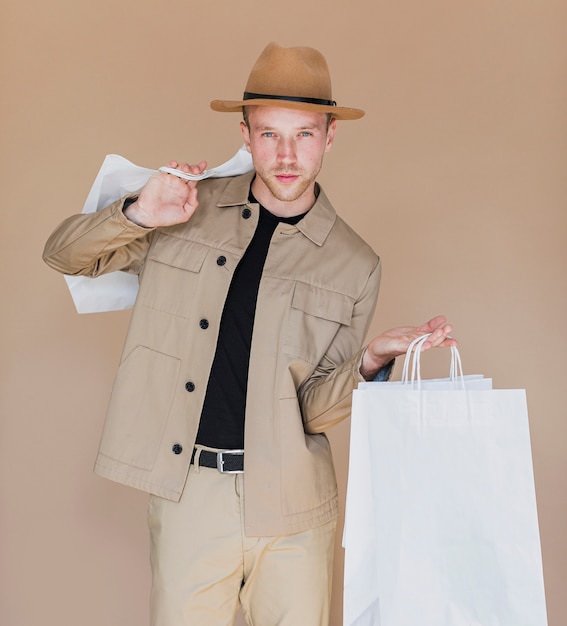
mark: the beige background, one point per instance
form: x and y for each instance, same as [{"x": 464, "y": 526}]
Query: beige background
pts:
[{"x": 456, "y": 176}]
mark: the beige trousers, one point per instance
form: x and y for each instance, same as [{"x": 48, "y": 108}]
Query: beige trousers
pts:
[{"x": 204, "y": 567}]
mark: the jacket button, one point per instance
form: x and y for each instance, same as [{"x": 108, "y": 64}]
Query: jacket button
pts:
[
  {"x": 189, "y": 386},
  {"x": 204, "y": 324},
  {"x": 246, "y": 213},
  {"x": 177, "y": 448},
  {"x": 221, "y": 260}
]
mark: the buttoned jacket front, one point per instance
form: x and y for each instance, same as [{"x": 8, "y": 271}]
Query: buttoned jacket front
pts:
[{"x": 315, "y": 303}]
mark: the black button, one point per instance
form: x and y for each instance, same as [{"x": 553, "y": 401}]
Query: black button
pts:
[
  {"x": 189, "y": 386},
  {"x": 221, "y": 260},
  {"x": 177, "y": 448},
  {"x": 204, "y": 324},
  {"x": 246, "y": 213}
]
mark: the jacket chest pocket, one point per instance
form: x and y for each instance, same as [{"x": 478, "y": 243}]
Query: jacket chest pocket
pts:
[
  {"x": 315, "y": 317},
  {"x": 170, "y": 279}
]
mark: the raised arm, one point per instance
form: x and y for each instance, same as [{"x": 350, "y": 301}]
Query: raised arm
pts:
[{"x": 117, "y": 237}]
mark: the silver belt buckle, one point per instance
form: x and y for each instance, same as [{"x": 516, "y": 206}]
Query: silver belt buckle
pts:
[{"x": 220, "y": 461}]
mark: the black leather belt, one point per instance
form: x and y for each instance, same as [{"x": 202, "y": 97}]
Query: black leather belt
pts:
[{"x": 225, "y": 461}]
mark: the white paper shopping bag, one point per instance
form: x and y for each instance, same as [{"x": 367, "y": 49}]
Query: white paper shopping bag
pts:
[{"x": 441, "y": 524}]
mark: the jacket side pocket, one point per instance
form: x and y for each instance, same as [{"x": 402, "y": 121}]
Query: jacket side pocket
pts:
[{"x": 139, "y": 407}]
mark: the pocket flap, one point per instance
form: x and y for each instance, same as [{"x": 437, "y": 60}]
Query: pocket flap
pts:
[
  {"x": 329, "y": 305},
  {"x": 176, "y": 252}
]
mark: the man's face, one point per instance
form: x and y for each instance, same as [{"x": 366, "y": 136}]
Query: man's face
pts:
[{"x": 287, "y": 148}]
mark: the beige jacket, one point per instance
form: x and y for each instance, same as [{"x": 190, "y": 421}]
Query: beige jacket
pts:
[{"x": 316, "y": 300}]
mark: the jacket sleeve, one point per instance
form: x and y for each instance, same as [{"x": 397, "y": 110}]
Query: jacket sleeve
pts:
[
  {"x": 97, "y": 243},
  {"x": 326, "y": 396}
]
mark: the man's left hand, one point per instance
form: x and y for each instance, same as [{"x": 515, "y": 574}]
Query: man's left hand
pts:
[{"x": 392, "y": 343}]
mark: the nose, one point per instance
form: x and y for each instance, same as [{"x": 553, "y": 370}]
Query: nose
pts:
[{"x": 286, "y": 150}]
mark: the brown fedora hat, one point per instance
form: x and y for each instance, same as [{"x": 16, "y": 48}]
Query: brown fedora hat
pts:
[{"x": 294, "y": 78}]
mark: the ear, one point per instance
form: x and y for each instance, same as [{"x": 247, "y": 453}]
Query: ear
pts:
[
  {"x": 331, "y": 134},
  {"x": 245, "y": 135}
]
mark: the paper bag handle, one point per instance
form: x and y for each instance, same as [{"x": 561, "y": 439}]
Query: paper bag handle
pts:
[{"x": 413, "y": 355}]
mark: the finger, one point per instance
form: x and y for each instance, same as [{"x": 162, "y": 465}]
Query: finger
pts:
[
  {"x": 184, "y": 167},
  {"x": 192, "y": 169},
  {"x": 440, "y": 338},
  {"x": 433, "y": 324},
  {"x": 198, "y": 168},
  {"x": 192, "y": 197},
  {"x": 189, "y": 208}
]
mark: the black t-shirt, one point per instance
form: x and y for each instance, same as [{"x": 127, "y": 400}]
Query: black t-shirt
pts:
[{"x": 222, "y": 418}]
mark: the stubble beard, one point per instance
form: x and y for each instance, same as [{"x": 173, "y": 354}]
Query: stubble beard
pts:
[{"x": 287, "y": 192}]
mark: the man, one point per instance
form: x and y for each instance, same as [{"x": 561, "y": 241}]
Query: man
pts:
[{"x": 254, "y": 301}]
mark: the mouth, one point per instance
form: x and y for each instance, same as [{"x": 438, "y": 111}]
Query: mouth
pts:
[{"x": 287, "y": 178}]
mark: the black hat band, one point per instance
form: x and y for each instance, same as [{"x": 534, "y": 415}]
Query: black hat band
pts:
[{"x": 261, "y": 96}]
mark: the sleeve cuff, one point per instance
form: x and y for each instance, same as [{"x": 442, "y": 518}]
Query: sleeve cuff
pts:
[{"x": 385, "y": 373}]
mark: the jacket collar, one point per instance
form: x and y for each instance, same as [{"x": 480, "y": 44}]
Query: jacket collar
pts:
[{"x": 316, "y": 225}]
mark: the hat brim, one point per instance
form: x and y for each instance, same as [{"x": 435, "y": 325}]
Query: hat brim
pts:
[{"x": 235, "y": 106}]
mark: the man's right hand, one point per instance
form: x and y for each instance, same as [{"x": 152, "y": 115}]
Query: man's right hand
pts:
[{"x": 166, "y": 200}]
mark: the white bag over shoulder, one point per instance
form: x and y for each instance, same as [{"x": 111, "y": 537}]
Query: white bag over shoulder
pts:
[
  {"x": 441, "y": 523},
  {"x": 116, "y": 178}
]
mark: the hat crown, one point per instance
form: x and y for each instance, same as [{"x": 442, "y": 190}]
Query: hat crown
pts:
[
  {"x": 299, "y": 72},
  {"x": 294, "y": 78}
]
